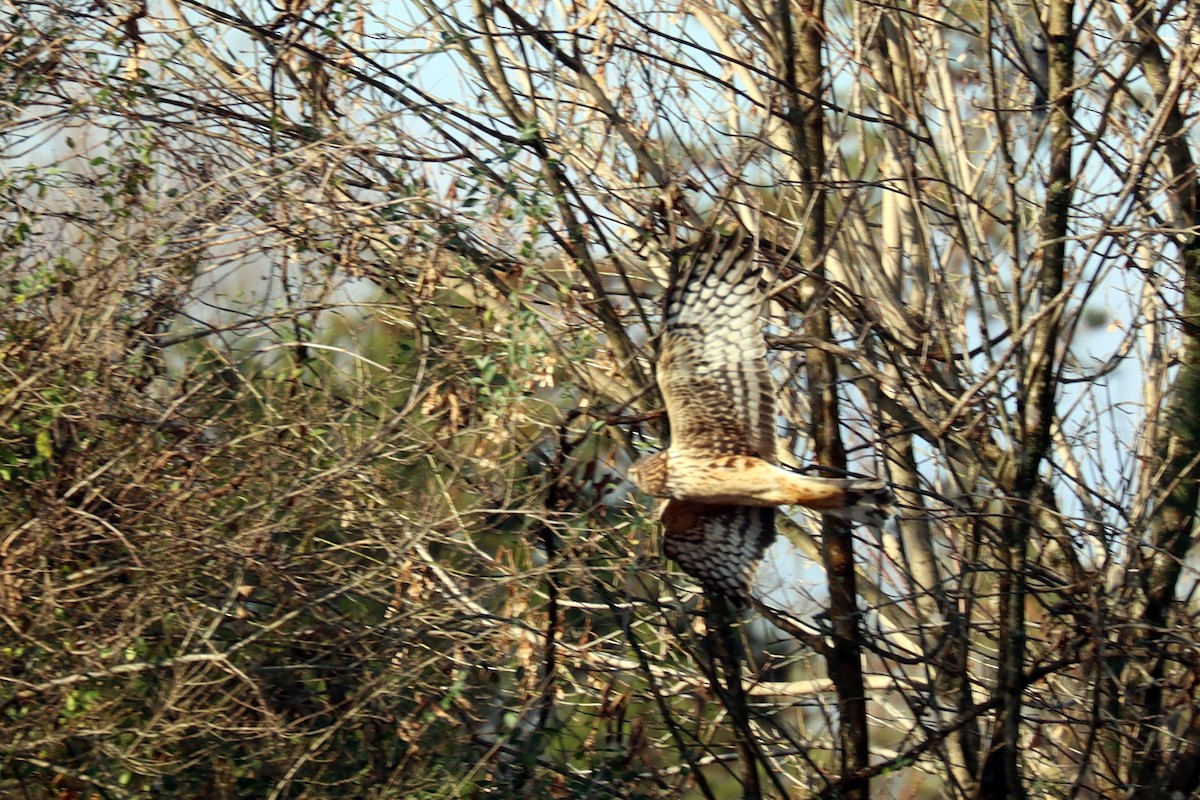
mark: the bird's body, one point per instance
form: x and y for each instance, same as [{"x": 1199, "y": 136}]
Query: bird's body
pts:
[
  {"x": 720, "y": 475},
  {"x": 752, "y": 481}
]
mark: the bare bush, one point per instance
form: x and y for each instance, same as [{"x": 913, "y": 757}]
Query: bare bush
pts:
[{"x": 327, "y": 335}]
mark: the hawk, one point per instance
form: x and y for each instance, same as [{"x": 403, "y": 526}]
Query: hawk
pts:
[{"x": 720, "y": 475}]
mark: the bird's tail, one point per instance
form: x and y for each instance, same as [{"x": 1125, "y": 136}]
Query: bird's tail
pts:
[{"x": 866, "y": 501}]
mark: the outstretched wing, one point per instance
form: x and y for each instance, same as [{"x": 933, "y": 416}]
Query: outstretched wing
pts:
[
  {"x": 720, "y": 546},
  {"x": 712, "y": 365}
]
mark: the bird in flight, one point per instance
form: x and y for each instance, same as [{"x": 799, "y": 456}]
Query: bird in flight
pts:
[{"x": 720, "y": 475}]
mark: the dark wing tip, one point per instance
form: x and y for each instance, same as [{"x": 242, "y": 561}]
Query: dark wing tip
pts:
[
  {"x": 720, "y": 546},
  {"x": 728, "y": 258}
]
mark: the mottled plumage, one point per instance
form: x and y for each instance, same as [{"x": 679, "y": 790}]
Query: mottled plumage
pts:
[{"x": 720, "y": 475}]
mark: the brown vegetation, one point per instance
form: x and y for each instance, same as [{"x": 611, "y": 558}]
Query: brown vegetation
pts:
[{"x": 326, "y": 336}]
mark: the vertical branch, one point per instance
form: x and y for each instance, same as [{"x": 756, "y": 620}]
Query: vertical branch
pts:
[
  {"x": 803, "y": 68},
  {"x": 557, "y": 499},
  {"x": 1170, "y": 530},
  {"x": 724, "y": 645},
  {"x": 905, "y": 272},
  {"x": 1001, "y": 776}
]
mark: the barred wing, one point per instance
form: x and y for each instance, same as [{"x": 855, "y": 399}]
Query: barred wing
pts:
[
  {"x": 720, "y": 546},
  {"x": 712, "y": 365}
]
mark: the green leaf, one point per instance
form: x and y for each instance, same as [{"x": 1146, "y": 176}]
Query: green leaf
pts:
[{"x": 43, "y": 444}]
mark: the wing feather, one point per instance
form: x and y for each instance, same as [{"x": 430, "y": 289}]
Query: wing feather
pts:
[
  {"x": 720, "y": 546},
  {"x": 712, "y": 366}
]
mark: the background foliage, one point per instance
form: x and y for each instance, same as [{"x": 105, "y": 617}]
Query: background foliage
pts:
[{"x": 326, "y": 335}]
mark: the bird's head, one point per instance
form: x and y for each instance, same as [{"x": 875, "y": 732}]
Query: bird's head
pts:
[{"x": 650, "y": 474}]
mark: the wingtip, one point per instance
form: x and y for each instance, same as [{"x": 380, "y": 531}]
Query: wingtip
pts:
[{"x": 730, "y": 254}]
